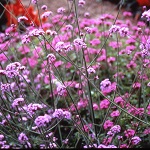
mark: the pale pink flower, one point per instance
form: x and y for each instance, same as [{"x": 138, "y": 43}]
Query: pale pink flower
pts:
[{"x": 22, "y": 18}]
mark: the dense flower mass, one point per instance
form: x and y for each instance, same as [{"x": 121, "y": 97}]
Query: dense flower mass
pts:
[{"x": 71, "y": 80}]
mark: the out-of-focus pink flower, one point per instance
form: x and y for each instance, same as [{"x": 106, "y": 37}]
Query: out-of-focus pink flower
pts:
[
  {"x": 95, "y": 106},
  {"x": 129, "y": 133},
  {"x": 108, "y": 124},
  {"x": 104, "y": 104},
  {"x": 135, "y": 140},
  {"x": 115, "y": 113}
]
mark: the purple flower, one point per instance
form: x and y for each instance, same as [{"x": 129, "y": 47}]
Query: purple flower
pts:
[
  {"x": 88, "y": 30},
  {"x": 135, "y": 140},
  {"x": 22, "y": 138},
  {"x": 36, "y": 32},
  {"x": 106, "y": 86},
  {"x": 60, "y": 10},
  {"x": 42, "y": 121},
  {"x": 95, "y": 42},
  {"x": 46, "y": 14},
  {"x": 1, "y": 137},
  {"x": 111, "y": 146},
  {"x": 25, "y": 39},
  {"x": 79, "y": 43},
  {"x": 69, "y": 27},
  {"x": 22, "y": 18},
  {"x": 67, "y": 115},
  {"x": 104, "y": 104},
  {"x": 114, "y": 29},
  {"x": 115, "y": 113},
  {"x": 5, "y": 87},
  {"x": 127, "y": 14},
  {"x": 124, "y": 31},
  {"x": 115, "y": 129},
  {"x": 81, "y": 3},
  {"x": 61, "y": 89},
  {"x": 32, "y": 108},
  {"x": 129, "y": 133},
  {"x": 108, "y": 124},
  {"x": 115, "y": 44},
  {"x": 51, "y": 58},
  {"x": 34, "y": 1},
  {"x": 59, "y": 46},
  {"x": 146, "y": 14},
  {"x": 91, "y": 70},
  {"x": 102, "y": 146},
  {"x": 17, "y": 102},
  {"x": 44, "y": 7},
  {"x": 95, "y": 106},
  {"x": 68, "y": 47},
  {"x": 58, "y": 113},
  {"x": 119, "y": 100}
]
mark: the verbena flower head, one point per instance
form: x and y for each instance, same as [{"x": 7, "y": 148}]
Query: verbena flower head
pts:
[
  {"x": 33, "y": 107},
  {"x": 22, "y": 138},
  {"x": 106, "y": 86},
  {"x": 17, "y": 102},
  {"x": 135, "y": 140},
  {"x": 104, "y": 104},
  {"x": 69, "y": 27},
  {"x": 81, "y": 3},
  {"x": 115, "y": 113},
  {"x": 114, "y": 29},
  {"x": 146, "y": 15},
  {"x": 51, "y": 58},
  {"x": 124, "y": 31},
  {"x": 127, "y": 14},
  {"x": 5, "y": 87},
  {"x": 129, "y": 133},
  {"x": 36, "y": 32},
  {"x": 46, "y": 14},
  {"x": 22, "y": 18},
  {"x": 67, "y": 115},
  {"x": 60, "y": 10},
  {"x": 59, "y": 46},
  {"x": 26, "y": 39},
  {"x": 114, "y": 130},
  {"x": 88, "y": 30},
  {"x": 91, "y": 70},
  {"x": 108, "y": 124},
  {"x": 12, "y": 69},
  {"x": 44, "y": 7},
  {"x": 61, "y": 89},
  {"x": 1, "y": 137},
  {"x": 58, "y": 113},
  {"x": 79, "y": 43},
  {"x": 34, "y": 1},
  {"x": 111, "y": 146},
  {"x": 42, "y": 121}
]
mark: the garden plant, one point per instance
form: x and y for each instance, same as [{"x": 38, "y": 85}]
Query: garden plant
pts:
[{"x": 74, "y": 81}]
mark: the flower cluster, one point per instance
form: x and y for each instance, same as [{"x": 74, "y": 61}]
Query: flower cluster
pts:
[
  {"x": 114, "y": 130},
  {"x": 146, "y": 15}
]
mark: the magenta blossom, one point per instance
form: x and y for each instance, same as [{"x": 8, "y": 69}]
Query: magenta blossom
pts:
[
  {"x": 129, "y": 133},
  {"x": 106, "y": 86},
  {"x": 108, "y": 124},
  {"x": 135, "y": 140},
  {"x": 22, "y": 138},
  {"x": 104, "y": 104},
  {"x": 115, "y": 113}
]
